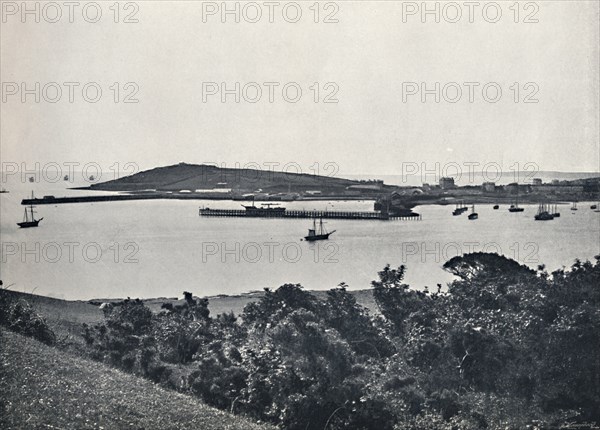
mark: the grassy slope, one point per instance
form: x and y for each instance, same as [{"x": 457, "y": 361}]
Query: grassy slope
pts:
[
  {"x": 42, "y": 387},
  {"x": 64, "y": 317}
]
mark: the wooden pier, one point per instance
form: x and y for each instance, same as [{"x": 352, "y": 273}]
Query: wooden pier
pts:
[{"x": 306, "y": 214}]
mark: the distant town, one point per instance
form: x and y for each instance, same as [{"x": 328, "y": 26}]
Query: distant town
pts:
[{"x": 189, "y": 181}]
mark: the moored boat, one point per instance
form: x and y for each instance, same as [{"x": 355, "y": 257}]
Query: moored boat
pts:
[
  {"x": 515, "y": 207},
  {"x": 266, "y": 210},
  {"x": 28, "y": 218},
  {"x": 473, "y": 215},
  {"x": 322, "y": 234},
  {"x": 459, "y": 209},
  {"x": 543, "y": 214}
]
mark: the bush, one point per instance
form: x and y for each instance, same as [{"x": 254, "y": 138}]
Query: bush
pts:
[{"x": 19, "y": 316}]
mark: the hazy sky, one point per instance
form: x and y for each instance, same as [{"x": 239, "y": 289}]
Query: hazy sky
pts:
[{"x": 369, "y": 56}]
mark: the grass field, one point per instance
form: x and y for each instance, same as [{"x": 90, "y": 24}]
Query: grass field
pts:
[
  {"x": 65, "y": 318},
  {"x": 44, "y": 388}
]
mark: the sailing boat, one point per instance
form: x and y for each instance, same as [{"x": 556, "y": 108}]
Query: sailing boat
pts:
[
  {"x": 556, "y": 213},
  {"x": 28, "y": 218},
  {"x": 473, "y": 215},
  {"x": 574, "y": 206},
  {"x": 543, "y": 214},
  {"x": 4, "y": 190},
  {"x": 515, "y": 207},
  {"x": 322, "y": 234},
  {"x": 460, "y": 208}
]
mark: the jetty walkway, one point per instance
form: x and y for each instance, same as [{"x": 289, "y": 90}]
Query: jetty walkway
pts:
[{"x": 306, "y": 214}]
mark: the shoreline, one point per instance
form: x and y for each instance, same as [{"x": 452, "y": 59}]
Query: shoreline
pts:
[{"x": 410, "y": 202}]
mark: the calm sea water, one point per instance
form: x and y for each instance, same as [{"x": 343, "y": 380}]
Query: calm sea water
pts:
[{"x": 161, "y": 248}]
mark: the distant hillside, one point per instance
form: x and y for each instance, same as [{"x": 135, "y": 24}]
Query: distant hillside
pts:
[{"x": 200, "y": 176}]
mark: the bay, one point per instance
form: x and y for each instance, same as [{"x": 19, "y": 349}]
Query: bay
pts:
[{"x": 159, "y": 248}]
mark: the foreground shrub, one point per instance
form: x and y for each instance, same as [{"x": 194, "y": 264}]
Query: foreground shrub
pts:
[{"x": 19, "y": 316}]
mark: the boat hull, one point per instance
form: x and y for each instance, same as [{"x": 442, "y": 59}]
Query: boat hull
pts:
[
  {"x": 473, "y": 216},
  {"x": 29, "y": 224},
  {"x": 317, "y": 237},
  {"x": 544, "y": 217}
]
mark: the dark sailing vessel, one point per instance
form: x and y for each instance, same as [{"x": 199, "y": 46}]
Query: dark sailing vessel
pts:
[
  {"x": 321, "y": 235},
  {"x": 473, "y": 215},
  {"x": 265, "y": 211},
  {"x": 543, "y": 214},
  {"x": 496, "y": 207},
  {"x": 28, "y": 218},
  {"x": 460, "y": 208},
  {"x": 515, "y": 207}
]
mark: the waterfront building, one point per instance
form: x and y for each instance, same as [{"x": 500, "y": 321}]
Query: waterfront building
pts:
[{"x": 447, "y": 183}]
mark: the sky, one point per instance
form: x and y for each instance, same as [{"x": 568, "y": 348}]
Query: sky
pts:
[{"x": 371, "y": 66}]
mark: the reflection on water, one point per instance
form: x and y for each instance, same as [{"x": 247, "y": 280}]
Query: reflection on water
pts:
[{"x": 161, "y": 248}]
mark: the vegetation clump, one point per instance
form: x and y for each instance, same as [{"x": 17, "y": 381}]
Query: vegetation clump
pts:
[
  {"x": 19, "y": 316},
  {"x": 505, "y": 346}
]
